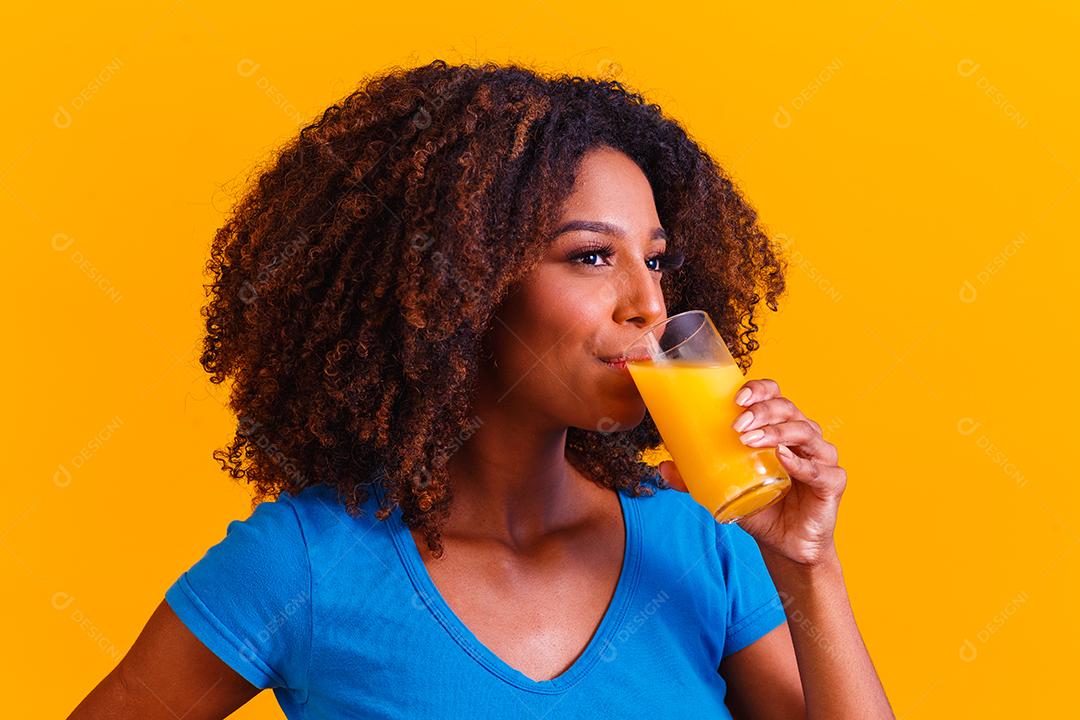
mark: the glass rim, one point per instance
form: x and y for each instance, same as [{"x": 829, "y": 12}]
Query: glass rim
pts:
[{"x": 666, "y": 320}]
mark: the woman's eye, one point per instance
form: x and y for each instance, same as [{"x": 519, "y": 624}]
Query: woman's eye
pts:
[
  {"x": 669, "y": 260},
  {"x": 661, "y": 261},
  {"x": 599, "y": 252}
]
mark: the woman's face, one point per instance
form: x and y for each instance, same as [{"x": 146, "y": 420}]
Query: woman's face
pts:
[{"x": 581, "y": 305}]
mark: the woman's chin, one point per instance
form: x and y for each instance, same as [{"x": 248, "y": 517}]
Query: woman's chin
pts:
[{"x": 619, "y": 419}]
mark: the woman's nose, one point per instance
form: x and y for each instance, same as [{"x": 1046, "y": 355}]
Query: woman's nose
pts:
[{"x": 641, "y": 300}]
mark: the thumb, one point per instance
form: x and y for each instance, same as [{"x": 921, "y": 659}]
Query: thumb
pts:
[{"x": 671, "y": 475}]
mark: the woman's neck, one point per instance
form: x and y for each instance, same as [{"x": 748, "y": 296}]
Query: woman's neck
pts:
[{"x": 512, "y": 483}]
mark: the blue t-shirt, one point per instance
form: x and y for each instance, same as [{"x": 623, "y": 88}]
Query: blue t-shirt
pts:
[{"x": 339, "y": 616}]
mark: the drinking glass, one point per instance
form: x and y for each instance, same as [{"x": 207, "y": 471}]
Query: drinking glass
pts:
[{"x": 688, "y": 380}]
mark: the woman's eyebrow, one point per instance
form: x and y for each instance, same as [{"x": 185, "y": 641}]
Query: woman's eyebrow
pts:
[{"x": 598, "y": 226}]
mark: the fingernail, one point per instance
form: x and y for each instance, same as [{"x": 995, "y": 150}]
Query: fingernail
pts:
[
  {"x": 743, "y": 421},
  {"x": 785, "y": 451},
  {"x": 752, "y": 436},
  {"x": 743, "y": 396}
]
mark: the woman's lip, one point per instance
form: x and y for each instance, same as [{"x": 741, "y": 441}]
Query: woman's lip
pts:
[
  {"x": 623, "y": 358},
  {"x": 618, "y": 363}
]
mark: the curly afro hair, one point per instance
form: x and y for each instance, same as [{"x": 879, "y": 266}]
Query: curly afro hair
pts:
[{"x": 354, "y": 282}]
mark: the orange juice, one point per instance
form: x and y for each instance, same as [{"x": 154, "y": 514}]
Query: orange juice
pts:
[{"x": 693, "y": 405}]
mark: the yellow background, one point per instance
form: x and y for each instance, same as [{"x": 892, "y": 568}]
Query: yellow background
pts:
[{"x": 919, "y": 162}]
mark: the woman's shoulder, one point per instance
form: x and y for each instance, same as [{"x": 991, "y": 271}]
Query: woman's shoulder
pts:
[
  {"x": 667, "y": 507},
  {"x": 321, "y": 499},
  {"x": 676, "y": 520},
  {"x": 717, "y": 566},
  {"x": 330, "y": 529}
]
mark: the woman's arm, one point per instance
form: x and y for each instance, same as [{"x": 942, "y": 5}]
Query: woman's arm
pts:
[
  {"x": 795, "y": 536},
  {"x": 763, "y": 679},
  {"x": 813, "y": 666},
  {"x": 838, "y": 678},
  {"x": 168, "y": 673}
]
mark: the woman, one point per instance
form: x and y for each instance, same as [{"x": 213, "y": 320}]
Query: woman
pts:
[{"x": 418, "y": 304}]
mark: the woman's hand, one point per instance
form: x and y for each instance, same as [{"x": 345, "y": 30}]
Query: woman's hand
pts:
[{"x": 799, "y": 526}]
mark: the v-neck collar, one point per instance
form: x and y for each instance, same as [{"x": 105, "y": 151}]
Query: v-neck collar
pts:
[{"x": 599, "y": 644}]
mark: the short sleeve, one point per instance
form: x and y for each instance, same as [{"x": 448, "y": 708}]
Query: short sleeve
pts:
[
  {"x": 248, "y": 599},
  {"x": 753, "y": 604}
]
